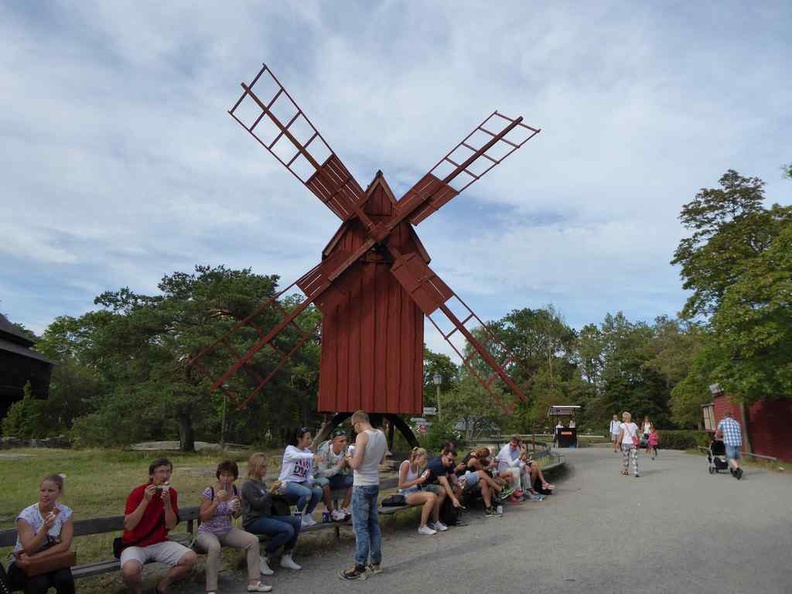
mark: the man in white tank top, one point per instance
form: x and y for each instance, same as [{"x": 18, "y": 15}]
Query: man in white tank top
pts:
[{"x": 369, "y": 451}]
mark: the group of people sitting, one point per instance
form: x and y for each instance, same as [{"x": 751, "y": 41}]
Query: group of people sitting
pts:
[
  {"x": 509, "y": 476},
  {"x": 45, "y": 528}
]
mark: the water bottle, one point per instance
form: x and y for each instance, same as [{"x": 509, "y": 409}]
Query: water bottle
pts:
[
  {"x": 325, "y": 517},
  {"x": 499, "y": 509}
]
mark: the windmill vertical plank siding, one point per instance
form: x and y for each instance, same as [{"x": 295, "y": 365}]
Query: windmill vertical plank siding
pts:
[{"x": 372, "y": 347}]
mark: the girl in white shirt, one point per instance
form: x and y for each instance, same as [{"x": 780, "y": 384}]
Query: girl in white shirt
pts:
[
  {"x": 628, "y": 435},
  {"x": 296, "y": 477}
]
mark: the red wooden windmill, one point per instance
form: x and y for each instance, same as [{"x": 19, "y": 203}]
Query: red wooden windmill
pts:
[{"x": 373, "y": 285}]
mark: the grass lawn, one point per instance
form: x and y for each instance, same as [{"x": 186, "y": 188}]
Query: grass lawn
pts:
[{"x": 97, "y": 485}]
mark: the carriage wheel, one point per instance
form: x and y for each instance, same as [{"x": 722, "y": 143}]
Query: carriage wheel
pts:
[{"x": 711, "y": 470}]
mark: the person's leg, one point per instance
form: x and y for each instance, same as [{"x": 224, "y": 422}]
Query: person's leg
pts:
[
  {"x": 241, "y": 539},
  {"x": 180, "y": 558},
  {"x": 132, "y": 561},
  {"x": 299, "y": 493},
  {"x": 316, "y": 496},
  {"x": 211, "y": 544},
  {"x": 375, "y": 535},
  {"x": 429, "y": 500},
  {"x": 295, "y": 526},
  {"x": 360, "y": 515},
  {"x": 30, "y": 585},
  {"x": 277, "y": 528},
  {"x": 625, "y": 458},
  {"x": 62, "y": 580},
  {"x": 486, "y": 493},
  {"x": 634, "y": 456}
]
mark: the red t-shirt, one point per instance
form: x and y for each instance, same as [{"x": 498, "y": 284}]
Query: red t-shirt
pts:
[{"x": 153, "y": 515}]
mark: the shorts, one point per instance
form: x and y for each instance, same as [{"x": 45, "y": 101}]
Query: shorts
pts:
[
  {"x": 614, "y": 436},
  {"x": 321, "y": 481},
  {"x": 471, "y": 480},
  {"x": 434, "y": 488},
  {"x": 733, "y": 452},
  {"x": 167, "y": 552},
  {"x": 341, "y": 481}
]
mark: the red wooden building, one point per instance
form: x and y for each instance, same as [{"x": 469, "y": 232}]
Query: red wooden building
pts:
[
  {"x": 372, "y": 329},
  {"x": 766, "y": 425}
]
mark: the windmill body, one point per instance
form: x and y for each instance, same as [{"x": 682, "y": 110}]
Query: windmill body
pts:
[{"x": 373, "y": 284}]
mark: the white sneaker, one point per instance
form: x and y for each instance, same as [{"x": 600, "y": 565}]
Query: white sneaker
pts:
[
  {"x": 307, "y": 520},
  {"x": 259, "y": 588},
  {"x": 440, "y": 527},
  {"x": 288, "y": 562},
  {"x": 426, "y": 531},
  {"x": 265, "y": 568},
  {"x": 338, "y": 515}
]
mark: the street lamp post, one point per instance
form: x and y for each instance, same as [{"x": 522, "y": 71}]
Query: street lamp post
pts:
[{"x": 438, "y": 379}]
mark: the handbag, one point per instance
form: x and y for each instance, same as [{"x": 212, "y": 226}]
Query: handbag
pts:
[
  {"x": 280, "y": 506},
  {"x": 394, "y": 500},
  {"x": 40, "y": 565}
]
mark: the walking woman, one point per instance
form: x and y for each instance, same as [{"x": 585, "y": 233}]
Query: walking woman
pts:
[
  {"x": 219, "y": 503},
  {"x": 259, "y": 516},
  {"x": 629, "y": 440},
  {"x": 412, "y": 476},
  {"x": 44, "y": 529}
]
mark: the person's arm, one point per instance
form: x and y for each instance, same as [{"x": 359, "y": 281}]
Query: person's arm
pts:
[
  {"x": 66, "y": 533},
  {"x": 33, "y": 540},
  {"x": 443, "y": 480},
  {"x": 132, "y": 518},
  {"x": 360, "y": 448},
  {"x": 209, "y": 506},
  {"x": 404, "y": 483},
  {"x": 292, "y": 454},
  {"x": 257, "y": 500},
  {"x": 326, "y": 469}
]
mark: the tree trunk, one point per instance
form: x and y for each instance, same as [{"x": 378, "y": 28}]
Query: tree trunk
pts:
[{"x": 186, "y": 433}]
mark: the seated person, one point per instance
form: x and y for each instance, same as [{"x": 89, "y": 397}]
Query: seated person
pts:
[
  {"x": 333, "y": 473},
  {"x": 510, "y": 467},
  {"x": 219, "y": 504},
  {"x": 531, "y": 473},
  {"x": 43, "y": 529},
  {"x": 473, "y": 474},
  {"x": 441, "y": 481},
  {"x": 296, "y": 476},
  {"x": 412, "y": 477},
  {"x": 151, "y": 512},
  {"x": 259, "y": 516}
]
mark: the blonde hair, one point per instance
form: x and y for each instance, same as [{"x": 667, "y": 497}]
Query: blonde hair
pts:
[
  {"x": 360, "y": 416},
  {"x": 254, "y": 462},
  {"x": 628, "y": 415},
  {"x": 415, "y": 454}
]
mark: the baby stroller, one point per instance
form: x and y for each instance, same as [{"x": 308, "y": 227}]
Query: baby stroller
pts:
[{"x": 716, "y": 457}]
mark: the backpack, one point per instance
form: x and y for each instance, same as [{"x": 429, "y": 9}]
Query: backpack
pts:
[{"x": 449, "y": 515}]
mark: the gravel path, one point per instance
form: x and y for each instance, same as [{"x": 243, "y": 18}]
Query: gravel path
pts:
[{"x": 674, "y": 529}]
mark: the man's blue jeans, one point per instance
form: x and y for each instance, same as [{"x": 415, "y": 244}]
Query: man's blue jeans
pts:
[{"x": 368, "y": 538}]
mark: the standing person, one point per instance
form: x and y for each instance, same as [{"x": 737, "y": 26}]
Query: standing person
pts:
[
  {"x": 151, "y": 512},
  {"x": 646, "y": 428},
  {"x": 653, "y": 442},
  {"x": 219, "y": 503},
  {"x": 43, "y": 529},
  {"x": 629, "y": 441},
  {"x": 296, "y": 476},
  {"x": 370, "y": 448},
  {"x": 614, "y": 432},
  {"x": 729, "y": 430},
  {"x": 260, "y": 515}
]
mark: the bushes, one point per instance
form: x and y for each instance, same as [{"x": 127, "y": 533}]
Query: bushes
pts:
[{"x": 682, "y": 440}]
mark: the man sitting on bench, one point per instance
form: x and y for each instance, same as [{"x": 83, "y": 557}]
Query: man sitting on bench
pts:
[
  {"x": 334, "y": 473},
  {"x": 151, "y": 512}
]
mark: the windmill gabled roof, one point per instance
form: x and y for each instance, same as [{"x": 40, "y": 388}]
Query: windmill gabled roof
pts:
[
  {"x": 11, "y": 333},
  {"x": 379, "y": 180},
  {"x": 17, "y": 349}
]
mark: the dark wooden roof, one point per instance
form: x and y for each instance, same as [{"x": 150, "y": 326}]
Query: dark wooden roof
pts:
[{"x": 12, "y": 340}]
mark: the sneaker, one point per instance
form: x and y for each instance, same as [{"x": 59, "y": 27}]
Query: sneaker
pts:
[
  {"x": 374, "y": 568},
  {"x": 307, "y": 521},
  {"x": 265, "y": 568},
  {"x": 637, "y": 475},
  {"x": 548, "y": 486},
  {"x": 426, "y": 531},
  {"x": 507, "y": 491},
  {"x": 738, "y": 473},
  {"x": 338, "y": 515},
  {"x": 519, "y": 493},
  {"x": 515, "y": 499},
  {"x": 490, "y": 512},
  {"x": 439, "y": 526},
  {"x": 288, "y": 562},
  {"x": 358, "y": 572},
  {"x": 259, "y": 588}
]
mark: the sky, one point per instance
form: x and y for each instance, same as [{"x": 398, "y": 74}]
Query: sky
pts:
[{"x": 120, "y": 163}]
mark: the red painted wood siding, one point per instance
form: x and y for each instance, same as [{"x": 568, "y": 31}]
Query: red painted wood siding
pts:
[
  {"x": 372, "y": 331},
  {"x": 768, "y": 425}
]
